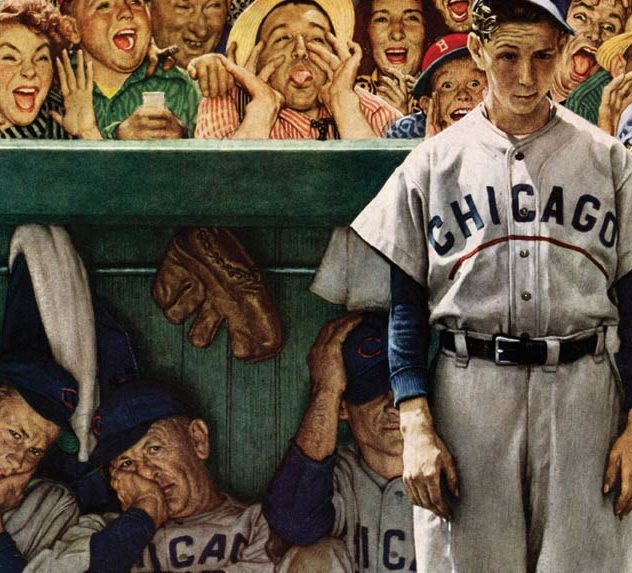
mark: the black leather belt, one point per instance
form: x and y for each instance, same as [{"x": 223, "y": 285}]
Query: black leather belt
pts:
[{"x": 507, "y": 350}]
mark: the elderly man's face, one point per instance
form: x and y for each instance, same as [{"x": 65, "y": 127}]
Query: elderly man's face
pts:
[
  {"x": 286, "y": 32},
  {"x": 375, "y": 425},
  {"x": 195, "y": 26},
  {"x": 594, "y": 21},
  {"x": 456, "y": 14},
  {"x": 24, "y": 437},
  {"x": 172, "y": 454}
]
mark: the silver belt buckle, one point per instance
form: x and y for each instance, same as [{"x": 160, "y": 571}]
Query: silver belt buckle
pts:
[{"x": 498, "y": 352}]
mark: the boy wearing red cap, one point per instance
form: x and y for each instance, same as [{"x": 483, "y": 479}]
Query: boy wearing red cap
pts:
[{"x": 450, "y": 86}]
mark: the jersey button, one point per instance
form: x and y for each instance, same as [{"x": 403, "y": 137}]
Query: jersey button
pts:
[
  {"x": 524, "y": 212},
  {"x": 526, "y": 296},
  {"x": 519, "y": 156},
  {"x": 524, "y": 253}
]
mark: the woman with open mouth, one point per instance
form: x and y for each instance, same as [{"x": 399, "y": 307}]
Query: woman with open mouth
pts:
[
  {"x": 392, "y": 34},
  {"x": 32, "y": 34}
]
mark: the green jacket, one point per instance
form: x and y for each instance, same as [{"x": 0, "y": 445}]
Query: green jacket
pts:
[
  {"x": 585, "y": 99},
  {"x": 182, "y": 97}
]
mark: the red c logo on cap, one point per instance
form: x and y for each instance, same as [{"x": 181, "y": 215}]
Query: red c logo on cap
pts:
[
  {"x": 69, "y": 398},
  {"x": 362, "y": 352}
]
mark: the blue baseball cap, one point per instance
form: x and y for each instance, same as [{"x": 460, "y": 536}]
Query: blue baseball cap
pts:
[
  {"x": 557, "y": 9},
  {"x": 128, "y": 413},
  {"x": 365, "y": 355},
  {"x": 44, "y": 385}
]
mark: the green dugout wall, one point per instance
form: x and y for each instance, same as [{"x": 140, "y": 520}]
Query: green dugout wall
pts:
[{"x": 122, "y": 202}]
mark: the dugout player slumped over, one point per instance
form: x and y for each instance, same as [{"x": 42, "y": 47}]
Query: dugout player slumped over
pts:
[
  {"x": 174, "y": 517},
  {"x": 353, "y": 493},
  {"x": 511, "y": 232}
]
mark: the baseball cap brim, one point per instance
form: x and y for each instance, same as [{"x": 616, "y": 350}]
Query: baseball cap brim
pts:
[
  {"x": 67, "y": 439},
  {"x": 246, "y": 27},
  {"x": 554, "y": 11},
  {"x": 114, "y": 445},
  {"x": 421, "y": 85}
]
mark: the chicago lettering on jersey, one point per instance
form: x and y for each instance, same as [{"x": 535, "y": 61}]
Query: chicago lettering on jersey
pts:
[
  {"x": 218, "y": 550},
  {"x": 466, "y": 216},
  {"x": 393, "y": 554}
]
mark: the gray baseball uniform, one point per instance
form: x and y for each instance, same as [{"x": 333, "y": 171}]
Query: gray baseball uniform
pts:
[
  {"x": 228, "y": 539},
  {"x": 532, "y": 249},
  {"x": 47, "y": 510}
]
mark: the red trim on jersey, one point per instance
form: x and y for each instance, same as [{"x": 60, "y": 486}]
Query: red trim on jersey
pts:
[{"x": 509, "y": 238}]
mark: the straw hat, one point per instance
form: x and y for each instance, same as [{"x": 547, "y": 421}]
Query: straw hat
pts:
[
  {"x": 246, "y": 28},
  {"x": 617, "y": 45}
]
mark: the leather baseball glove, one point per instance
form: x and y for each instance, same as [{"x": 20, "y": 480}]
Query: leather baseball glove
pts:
[{"x": 208, "y": 270}]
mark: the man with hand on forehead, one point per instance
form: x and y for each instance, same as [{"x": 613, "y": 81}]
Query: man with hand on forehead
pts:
[
  {"x": 37, "y": 400},
  {"x": 173, "y": 515},
  {"x": 295, "y": 66},
  {"x": 348, "y": 502}
]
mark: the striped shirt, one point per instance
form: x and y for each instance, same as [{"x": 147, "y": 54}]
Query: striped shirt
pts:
[
  {"x": 585, "y": 99},
  {"x": 43, "y": 126},
  {"x": 219, "y": 118}
]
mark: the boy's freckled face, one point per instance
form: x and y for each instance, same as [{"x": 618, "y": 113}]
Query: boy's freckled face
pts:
[{"x": 115, "y": 33}]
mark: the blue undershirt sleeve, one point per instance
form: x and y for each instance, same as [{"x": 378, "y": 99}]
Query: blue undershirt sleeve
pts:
[
  {"x": 11, "y": 560},
  {"x": 408, "y": 337},
  {"x": 298, "y": 504},
  {"x": 120, "y": 545},
  {"x": 624, "y": 356}
]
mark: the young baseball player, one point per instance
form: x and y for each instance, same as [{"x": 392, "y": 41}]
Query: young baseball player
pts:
[
  {"x": 510, "y": 233},
  {"x": 449, "y": 87},
  {"x": 173, "y": 516},
  {"x": 353, "y": 493},
  {"x": 37, "y": 400}
]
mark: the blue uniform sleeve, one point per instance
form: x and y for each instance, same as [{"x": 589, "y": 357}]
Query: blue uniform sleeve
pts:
[
  {"x": 11, "y": 560},
  {"x": 298, "y": 504},
  {"x": 624, "y": 356},
  {"x": 120, "y": 545},
  {"x": 409, "y": 337}
]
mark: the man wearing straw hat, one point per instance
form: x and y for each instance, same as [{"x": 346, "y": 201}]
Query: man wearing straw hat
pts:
[{"x": 295, "y": 65}]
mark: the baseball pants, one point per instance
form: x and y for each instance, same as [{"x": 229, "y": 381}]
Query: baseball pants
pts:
[{"x": 530, "y": 446}]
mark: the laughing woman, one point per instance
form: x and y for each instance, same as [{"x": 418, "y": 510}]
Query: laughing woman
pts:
[
  {"x": 392, "y": 34},
  {"x": 32, "y": 34}
]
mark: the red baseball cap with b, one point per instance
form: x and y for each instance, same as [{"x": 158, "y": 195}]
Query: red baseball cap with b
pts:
[{"x": 441, "y": 50}]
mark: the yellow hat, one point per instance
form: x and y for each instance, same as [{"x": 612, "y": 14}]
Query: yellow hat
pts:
[
  {"x": 616, "y": 45},
  {"x": 246, "y": 28}
]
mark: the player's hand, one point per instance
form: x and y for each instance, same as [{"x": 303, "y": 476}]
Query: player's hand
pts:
[
  {"x": 133, "y": 490},
  {"x": 212, "y": 75},
  {"x": 427, "y": 461},
  {"x": 325, "y": 362},
  {"x": 151, "y": 123},
  {"x": 341, "y": 68},
  {"x": 433, "y": 122},
  {"x": 396, "y": 89},
  {"x": 76, "y": 88},
  {"x": 12, "y": 490},
  {"x": 160, "y": 56},
  {"x": 619, "y": 471},
  {"x": 616, "y": 97}
]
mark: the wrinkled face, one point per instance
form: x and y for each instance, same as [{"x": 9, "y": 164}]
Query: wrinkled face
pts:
[
  {"x": 459, "y": 86},
  {"x": 115, "y": 33},
  {"x": 375, "y": 425},
  {"x": 24, "y": 438},
  {"x": 594, "y": 21},
  {"x": 456, "y": 14},
  {"x": 172, "y": 455},
  {"x": 195, "y": 26},
  {"x": 519, "y": 61},
  {"x": 396, "y": 32},
  {"x": 26, "y": 73},
  {"x": 286, "y": 32}
]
